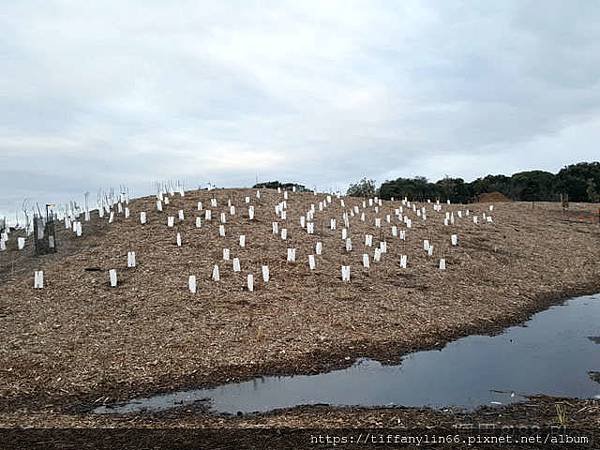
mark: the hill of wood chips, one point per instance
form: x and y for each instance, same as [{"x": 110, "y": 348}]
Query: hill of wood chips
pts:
[{"x": 80, "y": 340}]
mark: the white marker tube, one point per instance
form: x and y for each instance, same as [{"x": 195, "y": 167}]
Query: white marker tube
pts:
[
  {"x": 192, "y": 284},
  {"x": 112, "y": 273}
]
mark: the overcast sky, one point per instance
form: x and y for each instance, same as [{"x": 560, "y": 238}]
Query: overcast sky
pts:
[{"x": 322, "y": 93}]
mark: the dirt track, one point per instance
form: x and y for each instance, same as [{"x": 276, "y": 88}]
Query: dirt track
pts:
[{"x": 78, "y": 340}]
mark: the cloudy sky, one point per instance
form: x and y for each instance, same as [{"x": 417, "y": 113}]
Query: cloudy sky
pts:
[{"x": 322, "y": 93}]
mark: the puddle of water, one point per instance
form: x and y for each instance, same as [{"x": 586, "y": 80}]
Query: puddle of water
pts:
[{"x": 550, "y": 355}]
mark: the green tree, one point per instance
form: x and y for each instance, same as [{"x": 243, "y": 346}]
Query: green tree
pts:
[
  {"x": 573, "y": 180},
  {"x": 364, "y": 188},
  {"x": 592, "y": 191}
]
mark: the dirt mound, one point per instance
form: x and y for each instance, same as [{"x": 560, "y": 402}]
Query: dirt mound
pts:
[
  {"x": 79, "y": 337},
  {"x": 490, "y": 197}
]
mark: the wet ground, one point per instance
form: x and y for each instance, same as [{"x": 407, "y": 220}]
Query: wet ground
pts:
[{"x": 551, "y": 354}]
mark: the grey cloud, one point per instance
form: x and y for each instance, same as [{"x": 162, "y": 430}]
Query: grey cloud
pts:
[{"x": 315, "y": 92}]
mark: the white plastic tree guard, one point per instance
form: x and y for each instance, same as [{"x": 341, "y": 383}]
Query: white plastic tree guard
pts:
[
  {"x": 198, "y": 222},
  {"x": 454, "y": 239},
  {"x": 311, "y": 262},
  {"x": 265, "y": 273},
  {"x": 345, "y": 273},
  {"x": 142, "y": 217},
  {"x": 442, "y": 264},
  {"x": 21, "y": 243},
  {"x": 319, "y": 248},
  {"x": 178, "y": 240},
  {"x": 251, "y": 212},
  {"x": 130, "y": 259},
  {"x": 225, "y": 254},
  {"x": 348, "y": 245},
  {"x": 291, "y": 255},
  {"x": 377, "y": 255},
  {"x": 159, "y": 206},
  {"x": 242, "y": 240},
  {"x": 181, "y": 215},
  {"x": 208, "y": 214},
  {"x": 215, "y": 273},
  {"x": 236, "y": 265},
  {"x": 366, "y": 260},
  {"x": 275, "y": 228},
  {"x": 284, "y": 233},
  {"x": 38, "y": 279},
  {"x": 170, "y": 221},
  {"x": 192, "y": 283},
  {"x": 199, "y": 206},
  {"x": 403, "y": 261},
  {"x": 250, "y": 282},
  {"x": 222, "y": 230},
  {"x": 112, "y": 274}
]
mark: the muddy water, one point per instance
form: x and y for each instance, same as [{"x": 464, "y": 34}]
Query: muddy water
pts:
[{"x": 550, "y": 354}]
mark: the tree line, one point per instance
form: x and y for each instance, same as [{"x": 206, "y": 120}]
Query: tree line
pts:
[{"x": 580, "y": 182}]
